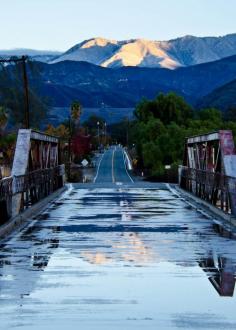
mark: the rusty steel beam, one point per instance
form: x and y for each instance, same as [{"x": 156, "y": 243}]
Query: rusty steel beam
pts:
[
  {"x": 39, "y": 136},
  {"x": 209, "y": 170},
  {"x": 214, "y": 136}
]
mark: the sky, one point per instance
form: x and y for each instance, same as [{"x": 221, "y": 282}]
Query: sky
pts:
[{"x": 60, "y": 24}]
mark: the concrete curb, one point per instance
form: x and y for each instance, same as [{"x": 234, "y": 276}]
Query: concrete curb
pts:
[
  {"x": 15, "y": 222},
  {"x": 210, "y": 210}
]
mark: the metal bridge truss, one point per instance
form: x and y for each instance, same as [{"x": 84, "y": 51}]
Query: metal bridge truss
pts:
[
  {"x": 36, "y": 173},
  {"x": 210, "y": 168}
]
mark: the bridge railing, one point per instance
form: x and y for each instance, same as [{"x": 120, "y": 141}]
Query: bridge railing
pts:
[
  {"x": 32, "y": 187},
  {"x": 215, "y": 188}
]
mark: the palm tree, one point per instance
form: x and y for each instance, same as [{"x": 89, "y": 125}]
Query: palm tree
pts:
[
  {"x": 75, "y": 113},
  {"x": 76, "y": 110}
]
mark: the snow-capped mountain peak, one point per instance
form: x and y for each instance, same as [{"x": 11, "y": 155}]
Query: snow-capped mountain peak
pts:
[
  {"x": 100, "y": 42},
  {"x": 185, "y": 51}
]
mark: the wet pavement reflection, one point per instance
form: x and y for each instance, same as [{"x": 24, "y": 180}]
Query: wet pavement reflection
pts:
[{"x": 118, "y": 259}]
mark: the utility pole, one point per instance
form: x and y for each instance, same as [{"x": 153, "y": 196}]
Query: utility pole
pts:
[
  {"x": 69, "y": 148},
  {"x": 22, "y": 60},
  {"x": 26, "y": 91}
]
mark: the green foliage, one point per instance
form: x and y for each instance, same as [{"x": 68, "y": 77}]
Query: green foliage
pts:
[
  {"x": 12, "y": 94},
  {"x": 121, "y": 132},
  {"x": 76, "y": 111},
  {"x": 7, "y": 147},
  {"x": 230, "y": 114},
  {"x": 3, "y": 117},
  {"x": 167, "y": 108},
  {"x": 152, "y": 155},
  {"x": 162, "y": 126},
  {"x": 91, "y": 123},
  {"x": 210, "y": 115},
  {"x": 7, "y": 140},
  {"x": 61, "y": 131}
]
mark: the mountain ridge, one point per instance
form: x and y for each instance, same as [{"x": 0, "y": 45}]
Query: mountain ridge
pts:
[
  {"x": 223, "y": 97},
  {"x": 170, "y": 54},
  {"x": 36, "y": 55},
  {"x": 124, "y": 87}
]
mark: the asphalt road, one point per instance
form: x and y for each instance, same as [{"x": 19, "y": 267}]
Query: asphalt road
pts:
[
  {"x": 112, "y": 167},
  {"x": 117, "y": 256}
]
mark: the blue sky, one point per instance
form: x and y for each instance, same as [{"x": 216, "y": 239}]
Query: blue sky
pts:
[{"x": 59, "y": 24}]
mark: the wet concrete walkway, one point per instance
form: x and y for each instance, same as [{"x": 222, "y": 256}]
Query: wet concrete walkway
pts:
[{"x": 122, "y": 257}]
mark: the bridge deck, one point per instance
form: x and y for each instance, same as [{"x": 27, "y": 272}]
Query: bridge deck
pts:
[{"x": 119, "y": 255}]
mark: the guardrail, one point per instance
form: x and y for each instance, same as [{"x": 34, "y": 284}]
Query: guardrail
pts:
[
  {"x": 215, "y": 188},
  {"x": 32, "y": 187}
]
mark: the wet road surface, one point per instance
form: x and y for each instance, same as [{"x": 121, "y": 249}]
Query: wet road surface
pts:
[
  {"x": 112, "y": 168},
  {"x": 122, "y": 257}
]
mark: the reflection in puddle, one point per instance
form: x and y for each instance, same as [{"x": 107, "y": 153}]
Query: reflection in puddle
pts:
[
  {"x": 134, "y": 250},
  {"x": 125, "y": 256},
  {"x": 221, "y": 273},
  {"x": 96, "y": 258},
  {"x": 129, "y": 248}
]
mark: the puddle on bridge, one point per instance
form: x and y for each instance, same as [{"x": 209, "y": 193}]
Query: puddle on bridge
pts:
[{"x": 118, "y": 259}]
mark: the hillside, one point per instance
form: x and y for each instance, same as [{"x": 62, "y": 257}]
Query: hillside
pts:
[
  {"x": 124, "y": 87},
  {"x": 221, "y": 98},
  {"x": 99, "y": 87}
]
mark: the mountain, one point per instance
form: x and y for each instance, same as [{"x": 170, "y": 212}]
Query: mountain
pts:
[
  {"x": 97, "y": 86},
  {"x": 221, "y": 98},
  {"x": 36, "y": 55},
  {"x": 172, "y": 54},
  {"x": 94, "y": 86}
]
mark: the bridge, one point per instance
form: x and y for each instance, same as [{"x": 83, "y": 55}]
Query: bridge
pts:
[{"x": 118, "y": 253}]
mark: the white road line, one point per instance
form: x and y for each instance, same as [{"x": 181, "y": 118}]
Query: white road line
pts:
[
  {"x": 129, "y": 164},
  {"x": 98, "y": 168},
  {"x": 112, "y": 166},
  {"x": 124, "y": 157}
]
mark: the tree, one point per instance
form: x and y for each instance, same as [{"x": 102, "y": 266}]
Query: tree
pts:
[
  {"x": 230, "y": 114},
  {"x": 152, "y": 155},
  {"x": 61, "y": 131},
  {"x": 91, "y": 123},
  {"x": 210, "y": 114},
  {"x": 162, "y": 126},
  {"x": 76, "y": 111},
  {"x": 167, "y": 108},
  {"x": 3, "y": 117},
  {"x": 12, "y": 94}
]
